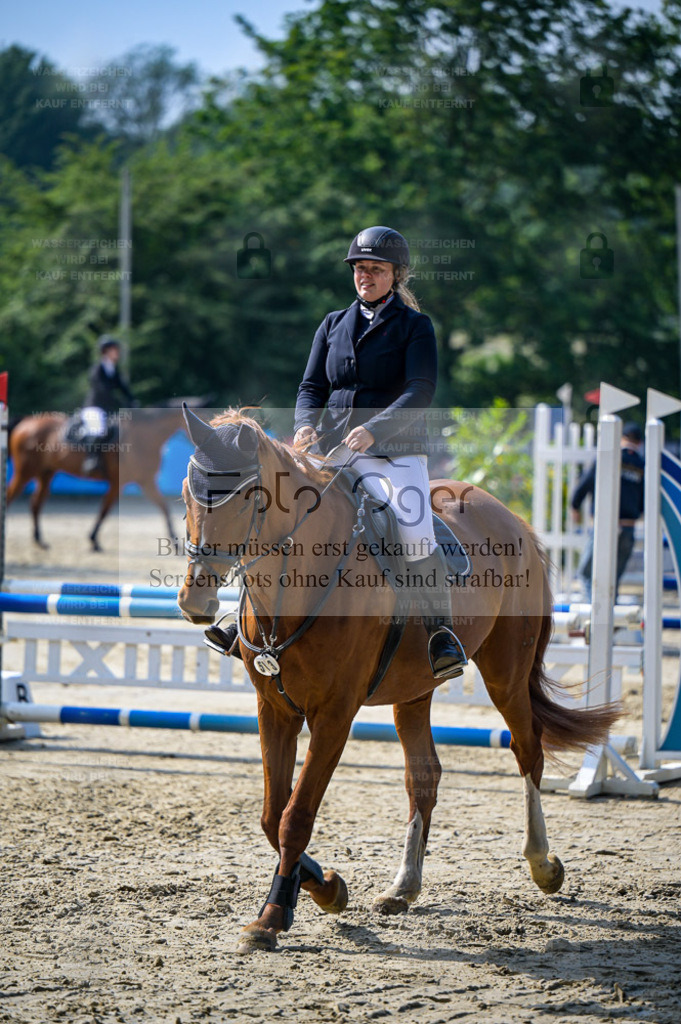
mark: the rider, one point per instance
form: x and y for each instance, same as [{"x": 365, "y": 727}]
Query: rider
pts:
[
  {"x": 374, "y": 367},
  {"x": 107, "y": 386}
]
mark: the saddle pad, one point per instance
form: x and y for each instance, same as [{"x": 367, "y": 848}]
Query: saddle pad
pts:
[
  {"x": 382, "y": 531},
  {"x": 457, "y": 560}
]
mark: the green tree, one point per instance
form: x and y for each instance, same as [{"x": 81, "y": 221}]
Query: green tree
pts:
[
  {"x": 142, "y": 93},
  {"x": 492, "y": 448},
  {"x": 450, "y": 121},
  {"x": 39, "y": 108},
  {"x": 459, "y": 121}
]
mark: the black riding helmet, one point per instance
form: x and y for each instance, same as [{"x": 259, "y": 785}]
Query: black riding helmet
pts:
[
  {"x": 107, "y": 341},
  {"x": 379, "y": 243}
]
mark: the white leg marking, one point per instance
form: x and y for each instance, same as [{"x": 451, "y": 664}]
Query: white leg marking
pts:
[
  {"x": 536, "y": 844},
  {"x": 407, "y": 884},
  {"x": 546, "y": 869},
  {"x": 408, "y": 879}
]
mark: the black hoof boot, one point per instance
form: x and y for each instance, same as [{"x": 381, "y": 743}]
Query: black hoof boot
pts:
[{"x": 445, "y": 653}]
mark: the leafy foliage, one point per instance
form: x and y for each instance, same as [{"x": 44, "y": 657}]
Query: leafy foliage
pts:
[
  {"x": 460, "y": 124},
  {"x": 491, "y": 448}
]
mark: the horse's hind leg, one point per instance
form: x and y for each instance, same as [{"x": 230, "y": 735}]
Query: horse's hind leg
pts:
[
  {"x": 506, "y": 672},
  {"x": 16, "y": 485},
  {"x": 422, "y": 775}
]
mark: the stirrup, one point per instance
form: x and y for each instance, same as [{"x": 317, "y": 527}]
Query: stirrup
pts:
[
  {"x": 446, "y": 654},
  {"x": 224, "y": 641}
]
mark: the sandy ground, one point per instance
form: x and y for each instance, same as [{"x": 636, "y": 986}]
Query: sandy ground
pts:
[{"x": 132, "y": 858}]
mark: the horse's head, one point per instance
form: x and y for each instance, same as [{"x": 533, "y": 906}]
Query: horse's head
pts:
[{"x": 220, "y": 492}]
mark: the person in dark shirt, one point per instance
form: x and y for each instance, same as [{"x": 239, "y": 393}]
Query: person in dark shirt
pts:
[
  {"x": 370, "y": 375},
  {"x": 631, "y": 505},
  {"x": 107, "y": 386},
  {"x": 107, "y": 389}
]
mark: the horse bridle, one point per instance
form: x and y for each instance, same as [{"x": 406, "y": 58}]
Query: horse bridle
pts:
[{"x": 266, "y": 661}]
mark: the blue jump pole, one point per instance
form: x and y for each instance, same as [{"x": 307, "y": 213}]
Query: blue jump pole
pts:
[
  {"x": 79, "y": 589},
  {"x": 202, "y": 722},
  {"x": 117, "y": 607},
  {"x": 111, "y": 607}
]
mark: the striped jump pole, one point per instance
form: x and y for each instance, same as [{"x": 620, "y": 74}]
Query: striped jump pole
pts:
[
  {"x": 123, "y": 590},
  {"x": 18, "y": 711},
  {"x": 108, "y": 607}
]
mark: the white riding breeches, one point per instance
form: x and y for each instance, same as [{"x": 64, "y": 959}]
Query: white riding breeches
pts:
[
  {"x": 402, "y": 482},
  {"x": 95, "y": 421}
]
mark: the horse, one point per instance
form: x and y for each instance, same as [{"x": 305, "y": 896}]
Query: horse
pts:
[
  {"x": 271, "y": 511},
  {"x": 38, "y": 449}
]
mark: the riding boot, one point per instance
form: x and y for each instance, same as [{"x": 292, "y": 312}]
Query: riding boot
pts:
[
  {"x": 445, "y": 650},
  {"x": 224, "y": 641}
]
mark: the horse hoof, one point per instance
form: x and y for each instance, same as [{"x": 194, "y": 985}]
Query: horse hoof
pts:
[
  {"x": 340, "y": 900},
  {"x": 391, "y": 904},
  {"x": 255, "y": 939},
  {"x": 553, "y": 884}
]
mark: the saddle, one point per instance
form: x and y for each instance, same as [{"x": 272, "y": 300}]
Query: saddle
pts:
[
  {"x": 381, "y": 530},
  {"x": 76, "y": 431}
]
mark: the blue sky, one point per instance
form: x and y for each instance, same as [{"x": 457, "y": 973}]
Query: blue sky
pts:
[{"x": 80, "y": 33}]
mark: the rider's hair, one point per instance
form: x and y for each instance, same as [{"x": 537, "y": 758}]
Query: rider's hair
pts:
[{"x": 402, "y": 275}]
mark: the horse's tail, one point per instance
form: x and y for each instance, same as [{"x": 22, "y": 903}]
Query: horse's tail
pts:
[
  {"x": 562, "y": 728},
  {"x": 14, "y": 422}
]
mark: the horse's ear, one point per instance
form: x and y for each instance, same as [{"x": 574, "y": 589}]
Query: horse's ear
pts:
[
  {"x": 198, "y": 430},
  {"x": 247, "y": 440}
]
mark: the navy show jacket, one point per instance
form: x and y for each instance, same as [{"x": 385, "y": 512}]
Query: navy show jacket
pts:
[
  {"x": 105, "y": 389},
  {"x": 383, "y": 380},
  {"x": 632, "y": 491}
]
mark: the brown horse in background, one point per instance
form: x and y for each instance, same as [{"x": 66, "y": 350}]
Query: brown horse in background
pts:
[
  {"x": 38, "y": 450},
  {"x": 502, "y": 614}
]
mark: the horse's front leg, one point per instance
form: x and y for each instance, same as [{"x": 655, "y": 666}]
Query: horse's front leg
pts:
[
  {"x": 108, "y": 501},
  {"x": 422, "y": 775},
  {"x": 295, "y": 811}
]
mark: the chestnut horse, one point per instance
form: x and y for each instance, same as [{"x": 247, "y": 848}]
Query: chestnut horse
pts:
[
  {"x": 38, "y": 449},
  {"x": 248, "y": 500}
]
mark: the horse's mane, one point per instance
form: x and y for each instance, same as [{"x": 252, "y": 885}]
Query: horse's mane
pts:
[{"x": 294, "y": 457}]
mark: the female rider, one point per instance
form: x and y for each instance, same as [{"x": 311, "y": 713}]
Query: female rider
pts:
[{"x": 370, "y": 375}]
